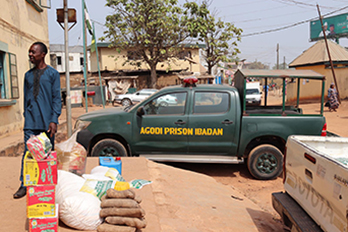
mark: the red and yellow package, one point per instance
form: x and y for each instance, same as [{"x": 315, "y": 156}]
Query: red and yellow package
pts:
[
  {"x": 42, "y": 172},
  {"x": 41, "y": 201},
  {"x": 43, "y": 224}
]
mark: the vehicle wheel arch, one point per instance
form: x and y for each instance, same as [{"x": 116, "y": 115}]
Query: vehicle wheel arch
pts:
[
  {"x": 127, "y": 99},
  {"x": 100, "y": 137},
  {"x": 272, "y": 140}
]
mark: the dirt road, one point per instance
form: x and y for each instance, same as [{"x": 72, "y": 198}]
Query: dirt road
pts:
[{"x": 238, "y": 177}]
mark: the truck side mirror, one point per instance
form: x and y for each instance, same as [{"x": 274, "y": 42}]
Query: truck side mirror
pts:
[{"x": 140, "y": 111}]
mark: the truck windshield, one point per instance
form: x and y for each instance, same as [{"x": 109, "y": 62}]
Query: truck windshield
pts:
[{"x": 252, "y": 91}]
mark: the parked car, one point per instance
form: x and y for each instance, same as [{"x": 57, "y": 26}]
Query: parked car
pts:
[
  {"x": 167, "y": 100},
  {"x": 253, "y": 93},
  {"x": 132, "y": 98}
]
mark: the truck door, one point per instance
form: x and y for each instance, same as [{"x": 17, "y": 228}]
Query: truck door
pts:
[
  {"x": 163, "y": 128},
  {"x": 213, "y": 118}
]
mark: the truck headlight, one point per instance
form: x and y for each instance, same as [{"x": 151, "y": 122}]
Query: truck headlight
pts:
[{"x": 80, "y": 125}]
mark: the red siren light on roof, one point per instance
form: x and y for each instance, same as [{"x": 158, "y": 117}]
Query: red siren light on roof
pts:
[{"x": 190, "y": 81}]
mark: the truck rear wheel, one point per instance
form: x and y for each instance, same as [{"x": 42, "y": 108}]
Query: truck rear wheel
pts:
[
  {"x": 265, "y": 162},
  {"x": 109, "y": 147}
]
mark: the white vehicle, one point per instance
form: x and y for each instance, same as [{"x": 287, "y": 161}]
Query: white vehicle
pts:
[
  {"x": 132, "y": 98},
  {"x": 167, "y": 100},
  {"x": 253, "y": 93},
  {"x": 315, "y": 183}
]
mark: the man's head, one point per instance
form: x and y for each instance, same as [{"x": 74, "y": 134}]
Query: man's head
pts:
[
  {"x": 37, "y": 52},
  {"x": 325, "y": 26},
  {"x": 332, "y": 28}
]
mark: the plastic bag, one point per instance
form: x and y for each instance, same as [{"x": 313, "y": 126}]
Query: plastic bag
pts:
[
  {"x": 39, "y": 146},
  {"x": 71, "y": 156}
]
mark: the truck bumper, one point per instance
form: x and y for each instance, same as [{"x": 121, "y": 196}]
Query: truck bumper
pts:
[{"x": 292, "y": 214}]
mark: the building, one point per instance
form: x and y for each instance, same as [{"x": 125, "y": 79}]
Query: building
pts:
[
  {"x": 316, "y": 58},
  {"x": 57, "y": 56},
  {"x": 21, "y": 24},
  {"x": 116, "y": 68},
  {"x": 113, "y": 59}
]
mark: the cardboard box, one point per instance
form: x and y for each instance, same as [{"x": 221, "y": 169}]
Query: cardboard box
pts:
[
  {"x": 41, "y": 201},
  {"x": 48, "y": 224},
  {"x": 42, "y": 172}
]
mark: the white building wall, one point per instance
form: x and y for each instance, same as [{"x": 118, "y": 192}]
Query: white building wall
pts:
[
  {"x": 75, "y": 57},
  {"x": 74, "y": 61}
]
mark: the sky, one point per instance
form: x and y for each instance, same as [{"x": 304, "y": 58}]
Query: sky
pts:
[{"x": 253, "y": 16}]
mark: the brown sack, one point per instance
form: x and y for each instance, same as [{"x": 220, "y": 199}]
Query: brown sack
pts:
[
  {"x": 119, "y": 203},
  {"x": 112, "y": 193},
  {"x": 127, "y": 212},
  {"x": 113, "y": 228},
  {"x": 133, "y": 222}
]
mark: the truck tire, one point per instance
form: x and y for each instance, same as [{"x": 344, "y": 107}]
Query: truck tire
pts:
[
  {"x": 265, "y": 162},
  {"x": 109, "y": 147}
]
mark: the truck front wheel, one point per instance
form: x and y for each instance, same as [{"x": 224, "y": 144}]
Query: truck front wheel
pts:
[
  {"x": 109, "y": 147},
  {"x": 265, "y": 162}
]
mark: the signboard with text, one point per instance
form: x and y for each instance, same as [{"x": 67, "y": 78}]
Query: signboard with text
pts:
[{"x": 334, "y": 27}]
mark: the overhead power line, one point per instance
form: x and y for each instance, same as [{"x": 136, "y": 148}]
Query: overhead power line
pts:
[
  {"x": 292, "y": 25},
  {"x": 303, "y": 3}
]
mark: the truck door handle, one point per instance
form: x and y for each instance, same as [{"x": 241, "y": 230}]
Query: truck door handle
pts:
[
  {"x": 227, "y": 122},
  {"x": 180, "y": 122}
]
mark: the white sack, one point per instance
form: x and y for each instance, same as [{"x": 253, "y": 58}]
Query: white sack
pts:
[{"x": 77, "y": 209}]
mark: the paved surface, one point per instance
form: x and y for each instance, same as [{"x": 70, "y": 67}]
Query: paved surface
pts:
[{"x": 177, "y": 200}]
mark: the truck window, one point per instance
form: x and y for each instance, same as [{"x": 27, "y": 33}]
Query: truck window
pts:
[
  {"x": 211, "y": 103},
  {"x": 252, "y": 91},
  {"x": 173, "y": 103}
]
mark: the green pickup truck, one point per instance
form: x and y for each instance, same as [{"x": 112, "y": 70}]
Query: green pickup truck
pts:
[{"x": 201, "y": 124}]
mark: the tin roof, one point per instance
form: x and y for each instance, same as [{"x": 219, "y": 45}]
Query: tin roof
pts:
[
  {"x": 317, "y": 54},
  {"x": 280, "y": 73}
]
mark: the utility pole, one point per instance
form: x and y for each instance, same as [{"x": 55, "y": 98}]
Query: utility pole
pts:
[
  {"x": 284, "y": 64},
  {"x": 67, "y": 74},
  {"x": 84, "y": 52},
  {"x": 66, "y": 16},
  {"x": 328, "y": 53},
  {"x": 277, "y": 55}
]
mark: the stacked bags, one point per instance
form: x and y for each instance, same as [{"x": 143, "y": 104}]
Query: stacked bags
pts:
[
  {"x": 121, "y": 212},
  {"x": 79, "y": 210},
  {"x": 103, "y": 195}
]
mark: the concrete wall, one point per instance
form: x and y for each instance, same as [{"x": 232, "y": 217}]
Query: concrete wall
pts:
[
  {"x": 74, "y": 62},
  {"x": 112, "y": 60},
  {"x": 20, "y": 25}
]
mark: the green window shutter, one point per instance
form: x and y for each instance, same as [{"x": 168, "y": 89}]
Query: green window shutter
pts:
[{"x": 13, "y": 76}]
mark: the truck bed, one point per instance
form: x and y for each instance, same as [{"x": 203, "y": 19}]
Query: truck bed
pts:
[
  {"x": 264, "y": 110},
  {"x": 294, "y": 217},
  {"x": 316, "y": 177}
]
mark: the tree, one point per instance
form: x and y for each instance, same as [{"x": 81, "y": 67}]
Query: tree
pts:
[
  {"x": 258, "y": 65},
  {"x": 153, "y": 30},
  {"x": 219, "y": 37},
  {"x": 281, "y": 66}
]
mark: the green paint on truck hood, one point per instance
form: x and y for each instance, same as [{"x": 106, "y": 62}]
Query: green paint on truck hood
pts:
[{"x": 103, "y": 112}]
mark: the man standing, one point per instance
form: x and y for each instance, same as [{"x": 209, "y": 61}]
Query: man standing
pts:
[{"x": 42, "y": 101}]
